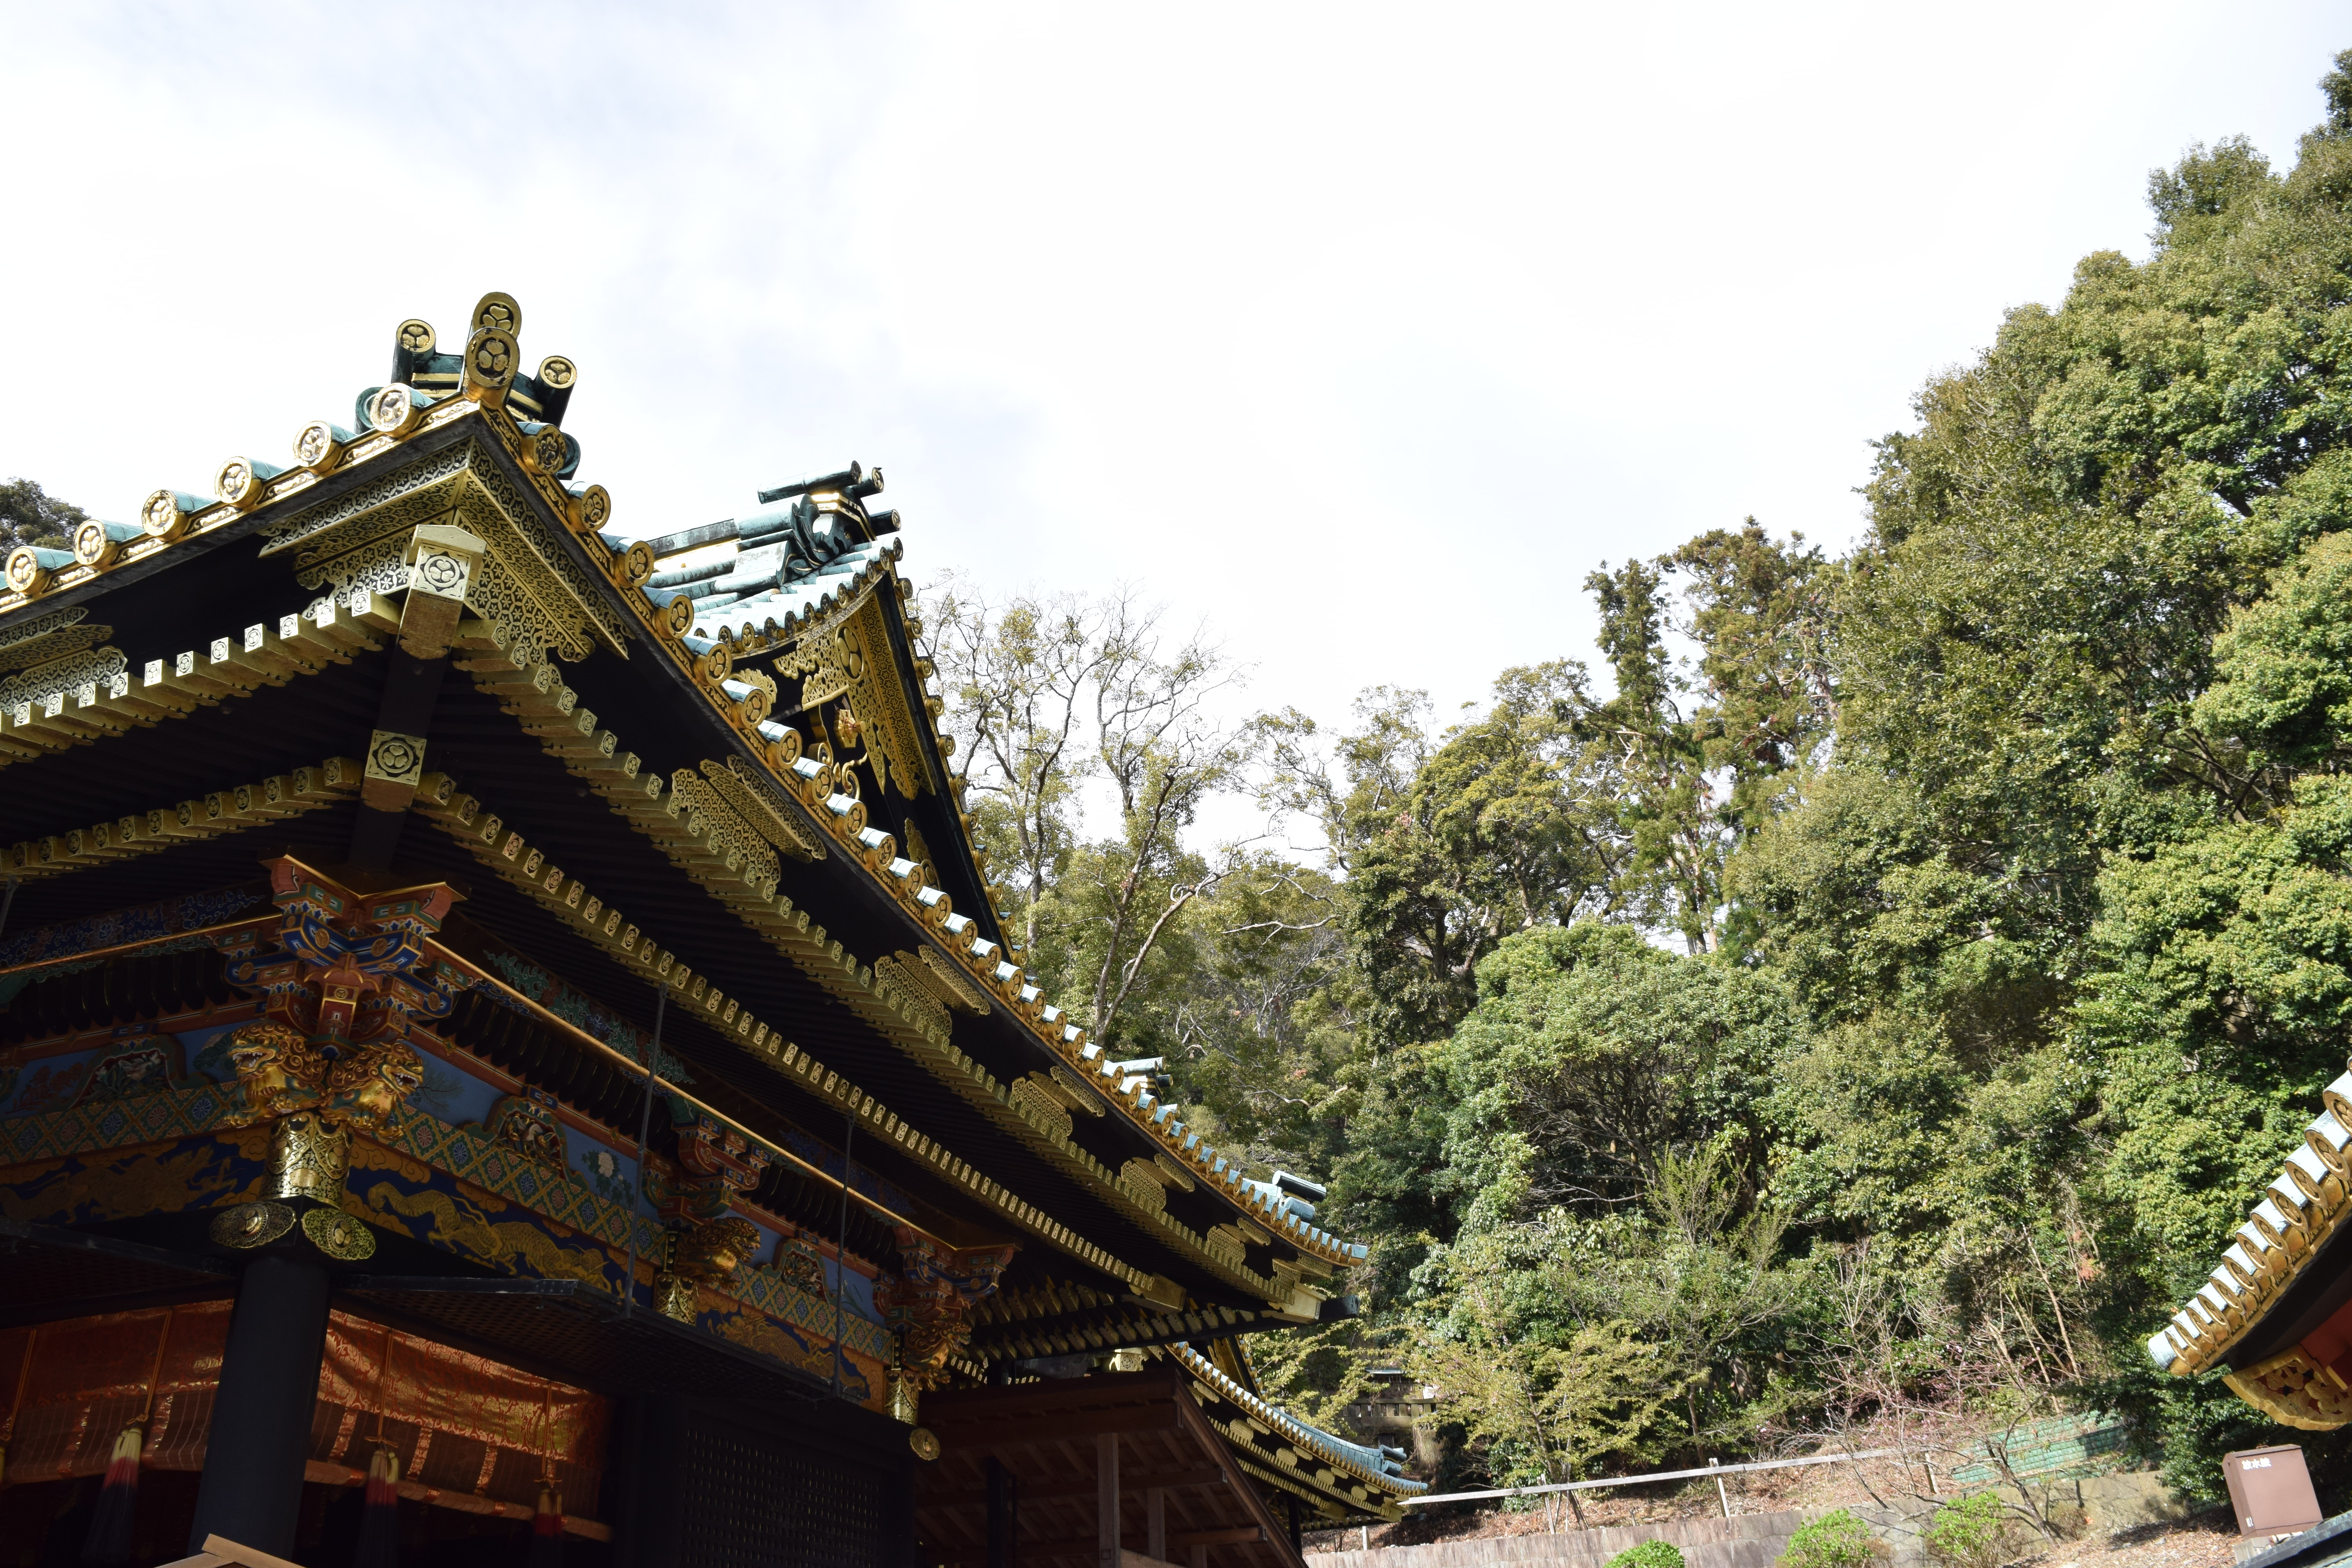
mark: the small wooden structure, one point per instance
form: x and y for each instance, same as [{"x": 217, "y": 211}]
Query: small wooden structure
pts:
[{"x": 1101, "y": 1469}]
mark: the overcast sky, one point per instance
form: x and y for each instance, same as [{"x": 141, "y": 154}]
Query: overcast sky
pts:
[{"x": 1359, "y": 333}]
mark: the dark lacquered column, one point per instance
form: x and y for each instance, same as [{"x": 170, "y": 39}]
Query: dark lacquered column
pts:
[{"x": 251, "y": 1491}]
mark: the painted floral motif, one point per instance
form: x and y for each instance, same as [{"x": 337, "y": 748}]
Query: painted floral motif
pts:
[{"x": 603, "y": 1169}]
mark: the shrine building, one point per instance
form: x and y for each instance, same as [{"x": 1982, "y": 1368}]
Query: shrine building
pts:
[{"x": 505, "y": 1048}]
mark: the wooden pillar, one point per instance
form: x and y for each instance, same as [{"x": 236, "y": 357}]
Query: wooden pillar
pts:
[
  {"x": 252, "y": 1487},
  {"x": 1197, "y": 1557},
  {"x": 1106, "y": 1499},
  {"x": 1003, "y": 1515},
  {"x": 1155, "y": 1522},
  {"x": 1290, "y": 1505}
]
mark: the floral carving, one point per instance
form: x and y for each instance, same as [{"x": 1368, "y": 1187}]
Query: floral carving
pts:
[
  {"x": 526, "y": 1124},
  {"x": 711, "y": 1252}
]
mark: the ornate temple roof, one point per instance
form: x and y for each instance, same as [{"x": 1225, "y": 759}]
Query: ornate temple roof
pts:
[{"x": 724, "y": 632}]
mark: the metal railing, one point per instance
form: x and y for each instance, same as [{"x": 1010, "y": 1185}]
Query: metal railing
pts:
[{"x": 1655, "y": 1476}]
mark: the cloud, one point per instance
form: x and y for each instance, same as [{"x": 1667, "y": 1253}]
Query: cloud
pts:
[{"x": 1361, "y": 332}]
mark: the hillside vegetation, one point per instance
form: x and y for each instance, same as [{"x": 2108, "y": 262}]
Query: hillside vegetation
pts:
[{"x": 1867, "y": 999}]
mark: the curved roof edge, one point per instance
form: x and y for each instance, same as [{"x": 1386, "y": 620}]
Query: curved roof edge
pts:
[
  {"x": 2300, "y": 1212},
  {"x": 1378, "y": 1481}
]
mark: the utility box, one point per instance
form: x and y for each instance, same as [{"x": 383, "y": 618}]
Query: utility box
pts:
[{"x": 2270, "y": 1491}]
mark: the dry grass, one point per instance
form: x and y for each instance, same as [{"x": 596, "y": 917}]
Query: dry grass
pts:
[{"x": 2202, "y": 1540}]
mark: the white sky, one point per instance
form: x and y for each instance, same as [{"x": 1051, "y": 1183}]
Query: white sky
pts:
[{"x": 1359, "y": 333}]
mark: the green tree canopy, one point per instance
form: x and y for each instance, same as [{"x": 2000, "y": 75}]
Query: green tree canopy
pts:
[{"x": 30, "y": 515}]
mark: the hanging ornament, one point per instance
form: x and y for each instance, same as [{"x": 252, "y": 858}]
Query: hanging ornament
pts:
[
  {"x": 110, "y": 1535},
  {"x": 379, "y": 1545},
  {"x": 547, "y": 1524},
  {"x": 547, "y": 1528},
  {"x": 118, "y": 1501}
]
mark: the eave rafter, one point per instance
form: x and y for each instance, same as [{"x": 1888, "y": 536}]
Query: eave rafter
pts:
[
  {"x": 2301, "y": 1212},
  {"x": 273, "y": 799},
  {"x": 77, "y": 708},
  {"x": 1262, "y": 1431}
]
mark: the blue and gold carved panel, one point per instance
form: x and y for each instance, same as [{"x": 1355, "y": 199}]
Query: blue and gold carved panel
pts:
[{"x": 110, "y": 1183}]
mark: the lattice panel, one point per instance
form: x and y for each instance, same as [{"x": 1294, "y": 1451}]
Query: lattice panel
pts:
[{"x": 752, "y": 1501}]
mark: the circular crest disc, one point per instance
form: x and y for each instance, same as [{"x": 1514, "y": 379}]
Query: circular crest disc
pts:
[{"x": 251, "y": 1225}]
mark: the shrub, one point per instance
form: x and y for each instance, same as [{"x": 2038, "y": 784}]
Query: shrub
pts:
[
  {"x": 1648, "y": 1555},
  {"x": 1836, "y": 1540},
  {"x": 1967, "y": 1533}
]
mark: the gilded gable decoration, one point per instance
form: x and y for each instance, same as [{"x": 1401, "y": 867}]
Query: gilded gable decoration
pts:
[
  {"x": 44, "y": 638},
  {"x": 849, "y": 656},
  {"x": 728, "y": 829},
  {"x": 1034, "y": 1093},
  {"x": 901, "y": 975},
  {"x": 762, "y": 807},
  {"x": 527, "y": 581},
  {"x": 1145, "y": 1183},
  {"x": 45, "y": 683},
  {"x": 953, "y": 987}
]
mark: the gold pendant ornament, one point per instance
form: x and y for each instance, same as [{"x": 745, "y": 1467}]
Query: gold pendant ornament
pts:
[
  {"x": 925, "y": 1442},
  {"x": 251, "y": 1225},
  {"x": 905, "y": 1399},
  {"x": 309, "y": 1157},
  {"x": 674, "y": 1297}
]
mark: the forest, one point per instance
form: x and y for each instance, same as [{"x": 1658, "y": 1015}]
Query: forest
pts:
[{"x": 1860, "y": 1003}]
